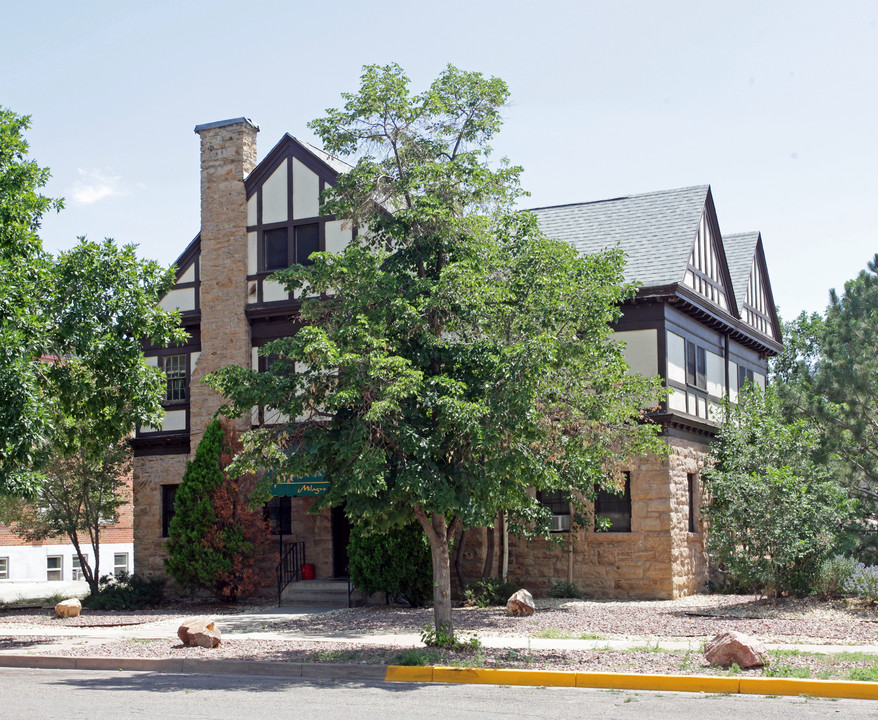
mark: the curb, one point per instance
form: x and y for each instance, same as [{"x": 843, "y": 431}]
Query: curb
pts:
[
  {"x": 323, "y": 671},
  {"x": 630, "y": 681},
  {"x": 440, "y": 674}
]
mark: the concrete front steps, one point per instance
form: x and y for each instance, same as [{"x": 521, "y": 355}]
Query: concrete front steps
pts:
[{"x": 333, "y": 593}]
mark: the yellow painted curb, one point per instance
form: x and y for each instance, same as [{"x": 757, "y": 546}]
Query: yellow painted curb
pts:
[
  {"x": 409, "y": 673},
  {"x": 814, "y": 688},
  {"x": 631, "y": 681},
  {"x": 675, "y": 683}
]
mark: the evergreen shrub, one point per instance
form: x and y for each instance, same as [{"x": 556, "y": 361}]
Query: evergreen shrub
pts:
[{"x": 397, "y": 563}]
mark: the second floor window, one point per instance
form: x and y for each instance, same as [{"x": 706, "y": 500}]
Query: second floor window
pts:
[
  {"x": 290, "y": 245},
  {"x": 175, "y": 374},
  {"x": 696, "y": 366}
]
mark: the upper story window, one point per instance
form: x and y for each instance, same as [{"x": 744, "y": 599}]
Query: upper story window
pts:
[
  {"x": 175, "y": 374},
  {"x": 287, "y": 246}
]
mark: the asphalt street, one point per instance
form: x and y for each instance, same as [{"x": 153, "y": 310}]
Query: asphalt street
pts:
[{"x": 43, "y": 694}]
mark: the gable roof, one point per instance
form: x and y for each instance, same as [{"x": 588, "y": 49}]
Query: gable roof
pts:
[
  {"x": 656, "y": 230},
  {"x": 740, "y": 250}
]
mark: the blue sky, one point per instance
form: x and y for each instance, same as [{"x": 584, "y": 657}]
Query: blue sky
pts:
[{"x": 773, "y": 104}]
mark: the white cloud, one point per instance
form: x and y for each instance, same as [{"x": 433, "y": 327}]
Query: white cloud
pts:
[{"x": 95, "y": 185}]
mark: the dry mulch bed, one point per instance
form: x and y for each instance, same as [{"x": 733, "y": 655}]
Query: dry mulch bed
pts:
[{"x": 811, "y": 621}]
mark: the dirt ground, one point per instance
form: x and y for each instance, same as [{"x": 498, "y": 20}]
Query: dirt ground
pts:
[{"x": 805, "y": 622}]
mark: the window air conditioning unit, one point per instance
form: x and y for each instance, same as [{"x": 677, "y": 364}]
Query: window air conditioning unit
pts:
[{"x": 560, "y": 523}]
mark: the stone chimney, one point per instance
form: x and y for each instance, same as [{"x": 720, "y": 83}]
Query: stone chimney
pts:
[{"x": 228, "y": 155}]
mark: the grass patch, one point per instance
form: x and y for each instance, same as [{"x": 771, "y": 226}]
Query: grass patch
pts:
[
  {"x": 556, "y": 634},
  {"x": 649, "y": 647},
  {"x": 417, "y": 657},
  {"x": 856, "y": 657},
  {"x": 144, "y": 640},
  {"x": 334, "y": 656},
  {"x": 476, "y": 660},
  {"x": 786, "y": 671},
  {"x": 864, "y": 674}
]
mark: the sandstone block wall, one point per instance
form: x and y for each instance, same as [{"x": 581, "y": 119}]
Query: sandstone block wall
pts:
[
  {"x": 150, "y": 473},
  {"x": 658, "y": 559}
]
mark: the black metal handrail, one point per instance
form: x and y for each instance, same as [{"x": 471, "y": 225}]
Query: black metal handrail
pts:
[{"x": 289, "y": 569}]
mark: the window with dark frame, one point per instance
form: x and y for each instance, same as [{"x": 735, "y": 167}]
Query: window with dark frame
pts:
[
  {"x": 282, "y": 248},
  {"x": 169, "y": 495},
  {"x": 559, "y": 504},
  {"x": 278, "y": 512},
  {"x": 175, "y": 378},
  {"x": 614, "y": 506},
  {"x": 692, "y": 479},
  {"x": 744, "y": 375},
  {"x": 696, "y": 366}
]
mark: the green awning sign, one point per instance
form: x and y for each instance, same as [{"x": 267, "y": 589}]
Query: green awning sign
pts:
[{"x": 309, "y": 486}]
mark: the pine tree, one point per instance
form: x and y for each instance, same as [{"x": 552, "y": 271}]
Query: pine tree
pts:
[{"x": 215, "y": 538}]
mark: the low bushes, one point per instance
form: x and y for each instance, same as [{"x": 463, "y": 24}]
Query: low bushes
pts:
[{"x": 126, "y": 592}]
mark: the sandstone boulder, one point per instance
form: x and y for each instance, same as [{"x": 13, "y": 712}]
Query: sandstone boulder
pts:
[
  {"x": 68, "y": 608},
  {"x": 199, "y": 632},
  {"x": 521, "y": 604},
  {"x": 733, "y": 647}
]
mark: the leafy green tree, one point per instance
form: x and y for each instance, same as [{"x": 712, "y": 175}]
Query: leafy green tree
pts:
[
  {"x": 25, "y": 414},
  {"x": 773, "y": 513},
  {"x": 215, "y": 537},
  {"x": 452, "y": 357},
  {"x": 71, "y": 326},
  {"x": 80, "y": 495}
]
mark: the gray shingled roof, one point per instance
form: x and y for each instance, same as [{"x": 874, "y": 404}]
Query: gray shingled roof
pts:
[
  {"x": 740, "y": 251},
  {"x": 655, "y": 230}
]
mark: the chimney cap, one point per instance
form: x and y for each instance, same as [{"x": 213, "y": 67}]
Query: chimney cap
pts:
[{"x": 223, "y": 123}]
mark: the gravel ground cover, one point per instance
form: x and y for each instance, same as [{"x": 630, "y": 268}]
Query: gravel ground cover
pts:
[{"x": 701, "y": 617}]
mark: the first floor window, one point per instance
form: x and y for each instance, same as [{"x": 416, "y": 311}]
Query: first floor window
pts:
[
  {"x": 615, "y": 506},
  {"x": 278, "y": 512},
  {"x": 559, "y": 504},
  {"x": 53, "y": 568},
  {"x": 169, "y": 495},
  {"x": 77, "y": 567},
  {"x": 693, "y": 518},
  {"x": 4, "y": 568},
  {"x": 120, "y": 563}
]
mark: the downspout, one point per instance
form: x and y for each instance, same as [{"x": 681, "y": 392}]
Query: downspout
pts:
[
  {"x": 570, "y": 541},
  {"x": 504, "y": 571}
]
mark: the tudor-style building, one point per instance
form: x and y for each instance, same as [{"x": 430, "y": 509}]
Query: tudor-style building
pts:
[{"x": 703, "y": 320}]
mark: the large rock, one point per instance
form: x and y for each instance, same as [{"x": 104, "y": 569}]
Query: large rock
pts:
[
  {"x": 199, "y": 632},
  {"x": 68, "y": 608},
  {"x": 733, "y": 647},
  {"x": 521, "y": 604}
]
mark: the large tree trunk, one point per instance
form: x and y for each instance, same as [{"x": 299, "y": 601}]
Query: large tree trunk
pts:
[{"x": 439, "y": 533}]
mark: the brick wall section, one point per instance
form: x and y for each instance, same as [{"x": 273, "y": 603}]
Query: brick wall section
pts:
[
  {"x": 658, "y": 559},
  {"x": 228, "y": 155},
  {"x": 120, "y": 532}
]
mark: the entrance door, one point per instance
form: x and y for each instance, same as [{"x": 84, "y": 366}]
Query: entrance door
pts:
[{"x": 341, "y": 536}]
